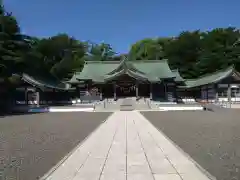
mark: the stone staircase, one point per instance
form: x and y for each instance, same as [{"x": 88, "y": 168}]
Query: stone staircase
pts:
[
  {"x": 128, "y": 104},
  {"x": 109, "y": 105},
  {"x": 106, "y": 105},
  {"x": 123, "y": 104},
  {"x": 170, "y": 97}
]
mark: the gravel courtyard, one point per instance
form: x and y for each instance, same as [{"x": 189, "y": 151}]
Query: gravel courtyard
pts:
[
  {"x": 30, "y": 145},
  {"x": 211, "y": 138}
]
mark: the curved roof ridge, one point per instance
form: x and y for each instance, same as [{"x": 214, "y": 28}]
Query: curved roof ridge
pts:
[
  {"x": 128, "y": 64},
  {"x": 102, "y": 62},
  {"x": 151, "y": 60},
  {"x": 136, "y": 75},
  {"x": 175, "y": 70},
  {"x": 210, "y": 78},
  {"x": 41, "y": 82},
  {"x": 120, "y": 64},
  {"x": 178, "y": 75},
  {"x": 124, "y": 71},
  {"x": 214, "y": 73},
  {"x": 126, "y": 59}
]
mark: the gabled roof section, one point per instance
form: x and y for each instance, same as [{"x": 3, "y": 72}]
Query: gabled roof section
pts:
[
  {"x": 96, "y": 69},
  {"x": 128, "y": 72},
  {"x": 127, "y": 65},
  {"x": 45, "y": 82},
  {"x": 154, "y": 68},
  {"x": 178, "y": 77},
  {"x": 122, "y": 65},
  {"x": 100, "y": 71},
  {"x": 210, "y": 78}
]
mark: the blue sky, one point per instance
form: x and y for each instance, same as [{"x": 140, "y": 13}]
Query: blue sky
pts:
[{"x": 122, "y": 22}]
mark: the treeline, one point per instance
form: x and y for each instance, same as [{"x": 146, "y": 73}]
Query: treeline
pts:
[{"x": 193, "y": 53}]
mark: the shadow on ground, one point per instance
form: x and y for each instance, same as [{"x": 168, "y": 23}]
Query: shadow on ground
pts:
[{"x": 2, "y": 115}]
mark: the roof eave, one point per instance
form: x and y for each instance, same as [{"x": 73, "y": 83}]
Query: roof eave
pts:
[{"x": 29, "y": 80}]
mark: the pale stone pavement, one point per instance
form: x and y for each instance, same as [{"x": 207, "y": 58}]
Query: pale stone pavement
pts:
[{"x": 127, "y": 147}]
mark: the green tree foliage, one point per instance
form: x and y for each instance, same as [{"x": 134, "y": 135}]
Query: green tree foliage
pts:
[
  {"x": 183, "y": 52},
  {"x": 148, "y": 49},
  {"x": 13, "y": 45},
  {"x": 219, "y": 50},
  {"x": 59, "y": 55},
  {"x": 100, "y": 52},
  {"x": 193, "y": 53}
]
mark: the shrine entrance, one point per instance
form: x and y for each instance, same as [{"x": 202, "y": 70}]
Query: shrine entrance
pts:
[
  {"x": 126, "y": 86},
  {"x": 125, "y": 89}
]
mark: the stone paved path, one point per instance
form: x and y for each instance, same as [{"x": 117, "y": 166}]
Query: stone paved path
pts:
[{"x": 127, "y": 147}]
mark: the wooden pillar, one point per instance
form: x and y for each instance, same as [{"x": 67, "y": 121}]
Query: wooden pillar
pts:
[
  {"x": 38, "y": 97},
  {"x": 26, "y": 96},
  {"x": 87, "y": 93},
  {"x": 136, "y": 90},
  {"x": 165, "y": 91},
  {"x": 185, "y": 95},
  {"x": 87, "y": 87},
  {"x": 216, "y": 93},
  {"x": 202, "y": 94},
  {"x": 101, "y": 94},
  {"x": 175, "y": 93},
  {"x": 151, "y": 88},
  {"x": 54, "y": 96},
  {"x": 77, "y": 92},
  {"x": 207, "y": 92},
  {"x": 114, "y": 91},
  {"x": 229, "y": 95}
]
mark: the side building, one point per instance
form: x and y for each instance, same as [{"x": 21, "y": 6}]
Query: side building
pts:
[
  {"x": 37, "y": 90},
  {"x": 222, "y": 85}
]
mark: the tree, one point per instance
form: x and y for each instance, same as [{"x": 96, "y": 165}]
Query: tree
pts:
[
  {"x": 13, "y": 45},
  {"x": 100, "y": 52},
  {"x": 59, "y": 55},
  {"x": 183, "y": 52},
  {"x": 147, "y": 49},
  {"x": 219, "y": 50}
]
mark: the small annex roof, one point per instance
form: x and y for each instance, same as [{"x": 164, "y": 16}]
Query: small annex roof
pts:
[
  {"x": 209, "y": 78},
  {"x": 74, "y": 79},
  {"x": 178, "y": 77},
  {"x": 45, "y": 82},
  {"x": 102, "y": 71}
]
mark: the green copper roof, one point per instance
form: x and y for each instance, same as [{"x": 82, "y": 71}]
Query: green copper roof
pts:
[
  {"x": 74, "y": 79},
  {"x": 96, "y": 69},
  {"x": 178, "y": 76},
  {"x": 135, "y": 75},
  {"x": 102, "y": 71},
  {"x": 154, "y": 68},
  {"x": 45, "y": 82},
  {"x": 209, "y": 78}
]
